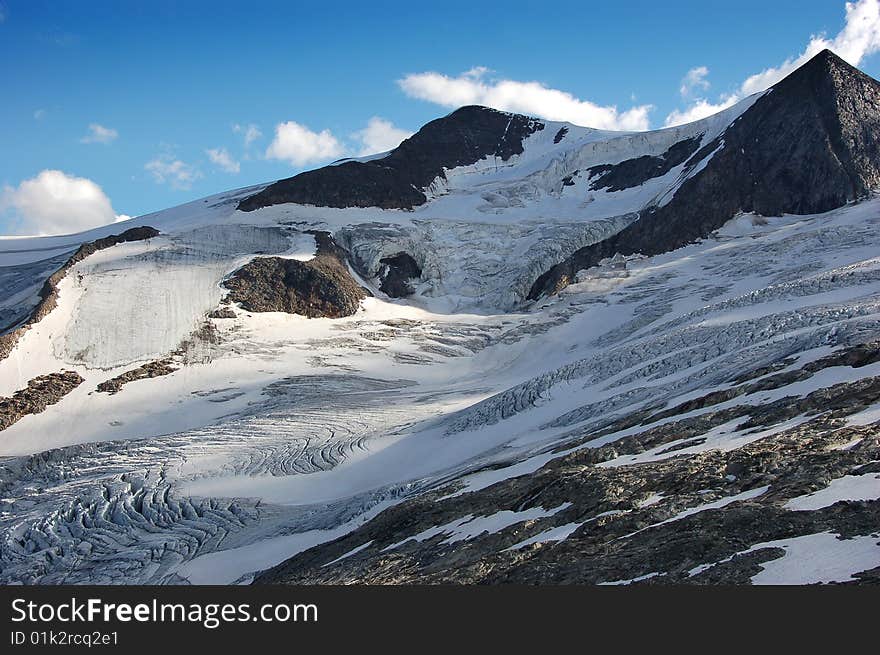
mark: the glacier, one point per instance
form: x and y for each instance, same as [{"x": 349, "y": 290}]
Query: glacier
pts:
[{"x": 277, "y": 434}]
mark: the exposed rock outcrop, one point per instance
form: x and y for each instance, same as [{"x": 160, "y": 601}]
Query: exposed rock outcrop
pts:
[
  {"x": 633, "y": 172},
  {"x": 222, "y": 312},
  {"x": 148, "y": 370},
  {"x": 398, "y": 180},
  {"x": 49, "y": 292},
  {"x": 38, "y": 395},
  {"x": 195, "y": 349},
  {"x": 809, "y": 145},
  {"x": 319, "y": 288},
  {"x": 397, "y": 273},
  {"x": 132, "y": 234}
]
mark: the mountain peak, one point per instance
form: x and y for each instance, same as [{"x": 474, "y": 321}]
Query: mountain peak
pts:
[
  {"x": 810, "y": 145},
  {"x": 824, "y": 67},
  {"x": 399, "y": 179},
  {"x": 827, "y": 57}
]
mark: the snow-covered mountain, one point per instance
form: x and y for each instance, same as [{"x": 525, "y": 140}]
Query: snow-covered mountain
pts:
[{"x": 509, "y": 350}]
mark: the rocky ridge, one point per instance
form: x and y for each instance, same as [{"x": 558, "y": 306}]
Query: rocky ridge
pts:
[
  {"x": 40, "y": 392},
  {"x": 49, "y": 292},
  {"x": 398, "y": 180}
]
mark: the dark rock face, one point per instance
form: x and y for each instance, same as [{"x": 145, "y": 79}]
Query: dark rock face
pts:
[
  {"x": 319, "y": 288},
  {"x": 398, "y": 180},
  {"x": 49, "y": 292},
  {"x": 634, "y": 172},
  {"x": 38, "y": 395},
  {"x": 560, "y": 135},
  {"x": 148, "y": 370},
  {"x": 396, "y": 274},
  {"x": 809, "y": 145}
]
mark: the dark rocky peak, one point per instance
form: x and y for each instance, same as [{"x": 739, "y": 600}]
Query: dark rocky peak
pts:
[
  {"x": 398, "y": 180},
  {"x": 847, "y": 101},
  {"x": 465, "y": 136},
  {"x": 808, "y": 145},
  {"x": 822, "y": 68},
  {"x": 814, "y": 139}
]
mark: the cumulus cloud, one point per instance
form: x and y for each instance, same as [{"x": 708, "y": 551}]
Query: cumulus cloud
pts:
[
  {"x": 700, "y": 109},
  {"x": 221, "y": 158},
  {"x": 695, "y": 80},
  {"x": 54, "y": 202},
  {"x": 99, "y": 134},
  {"x": 474, "y": 87},
  {"x": 167, "y": 169},
  {"x": 249, "y": 132},
  {"x": 859, "y": 38},
  {"x": 378, "y": 136},
  {"x": 298, "y": 145}
]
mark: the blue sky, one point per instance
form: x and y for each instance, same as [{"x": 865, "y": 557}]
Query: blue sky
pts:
[{"x": 185, "y": 99}]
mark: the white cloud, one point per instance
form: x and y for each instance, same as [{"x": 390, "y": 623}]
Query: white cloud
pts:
[
  {"x": 473, "y": 88},
  {"x": 378, "y": 136},
  {"x": 298, "y": 145},
  {"x": 221, "y": 157},
  {"x": 98, "y": 134},
  {"x": 694, "y": 80},
  {"x": 165, "y": 168},
  {"x": 859, "y": 38},
  {"x": 54, "y": 202},
  {"x": 699, "y": 109},
  {"x": 249, "y": 132},
  {"x": 39, "y": 114}
]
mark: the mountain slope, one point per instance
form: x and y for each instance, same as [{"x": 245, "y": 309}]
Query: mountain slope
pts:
[
  {"x": 696, "y": 401},
  {"x": 810, "y": 144}
]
